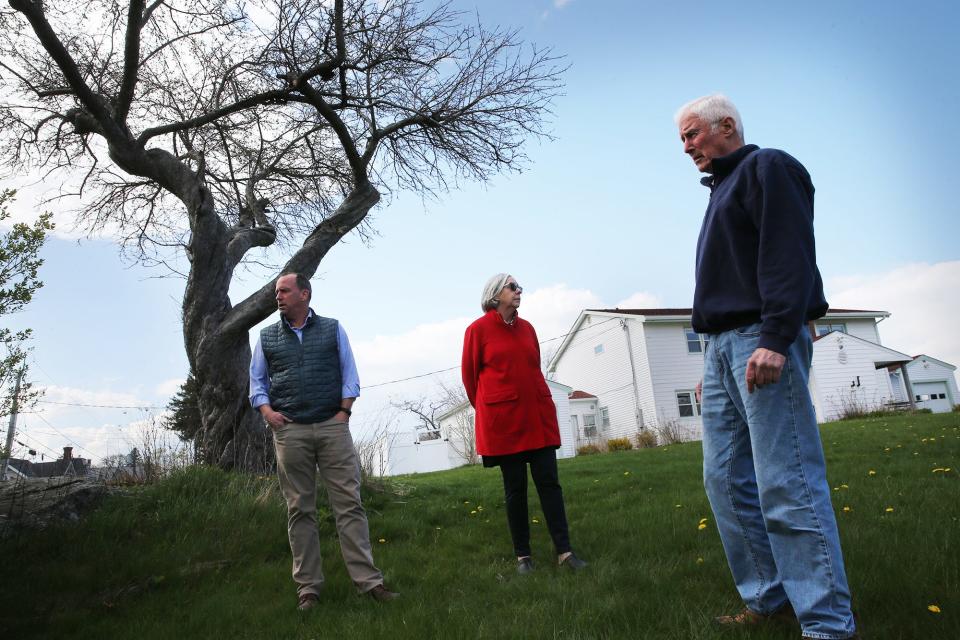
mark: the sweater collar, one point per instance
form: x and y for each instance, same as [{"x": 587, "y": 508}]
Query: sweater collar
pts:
[
  {"x": 724, "y": 165},
  {"x": 499, "y": 318}
]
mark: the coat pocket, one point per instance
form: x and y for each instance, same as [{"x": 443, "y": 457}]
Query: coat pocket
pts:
[{"x": 504, "y": 395}]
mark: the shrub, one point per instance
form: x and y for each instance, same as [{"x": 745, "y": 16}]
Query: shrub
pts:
[
  {"x": 619, "y": 444},
  {"x": 670, "y": 432},
  {"x": 956, "y": 408},
  {"x": 588, "y": 449},
  {"x": 646, "y": 439}
]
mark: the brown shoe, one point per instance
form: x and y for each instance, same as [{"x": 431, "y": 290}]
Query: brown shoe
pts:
[
  {"x": 308, "y": 601},
  {"x": 382, "y": 594},
  {"x": 748, "y": 618}
]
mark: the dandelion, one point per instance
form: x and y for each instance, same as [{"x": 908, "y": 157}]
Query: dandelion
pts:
[
  {"x": 474, "y": 512},
  {"x": 889, "y": 510},
  {"x": 678, "y": 506},
  {"x": 703, "y": 520},
  {"x": 699, "y": 560},
  {"x": 383, "y": 540},
  {"x": 596, "y": 481},
  {"x": 626, "y": 473},
  {"x": 871, "y": 472},
  {"x": 844, "y": 486},
  {"x": 479, "y": 508},
  {"x": 466, "y": 502},
  {"x": 939, "y": 470},
  {"x": 535, "y": 521},
  {"x": 701, "y": 527},
  {"x": 846, "y": 509},
  {"x": 932, "y": 608},
  {"x": 886, "y": 449}
]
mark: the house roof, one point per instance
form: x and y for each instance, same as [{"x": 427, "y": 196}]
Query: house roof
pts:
[
  {"x": 581, "y": 395},
  {"x": 883, "y": 356},
  {"x": 940, "y": 362},
  {"x": 681, "y": 314}
]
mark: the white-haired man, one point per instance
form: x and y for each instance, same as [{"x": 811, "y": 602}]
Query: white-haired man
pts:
[{"x": 757, "y": 285}]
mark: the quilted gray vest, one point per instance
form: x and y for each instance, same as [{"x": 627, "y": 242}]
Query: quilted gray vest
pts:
[{"x": 305, "y": 380}]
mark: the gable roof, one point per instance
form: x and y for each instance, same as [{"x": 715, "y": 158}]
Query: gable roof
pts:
[
  {"x": 931, "y": 358},
  {"x": 682, "y": 314},
  {"x": 581, "y": 395},
  {"x": 883, "y": 356}
]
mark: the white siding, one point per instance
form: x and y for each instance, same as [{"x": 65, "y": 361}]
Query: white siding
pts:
[
  {"x": 568, "y": 439},
  {"x": 846, "y": 377},
  {"x": 925, "y": 369},
  {"x": 865, "y": 329},
  {"x": 673, "y": 368},
  {"x": 607, "y": 374}
]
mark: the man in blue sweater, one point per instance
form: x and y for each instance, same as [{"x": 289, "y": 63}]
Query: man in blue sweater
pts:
[{"x": 757, "y": 285}]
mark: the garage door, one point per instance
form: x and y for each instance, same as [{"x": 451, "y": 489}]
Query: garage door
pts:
[{"x": 932, "y": 395}]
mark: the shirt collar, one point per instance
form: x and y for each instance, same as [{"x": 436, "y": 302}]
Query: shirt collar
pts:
[
  {"x": 305, "y": 321},
  {"x": 723, "y": 166}
]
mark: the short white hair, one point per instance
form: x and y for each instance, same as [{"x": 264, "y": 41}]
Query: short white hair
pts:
[
  {"x": 489, "y": 300},
  {"x": 712, "y": 109}
]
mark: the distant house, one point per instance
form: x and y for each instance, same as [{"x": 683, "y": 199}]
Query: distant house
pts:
[
  {"x": 934, "y": 384},
  {"x": 642, "y": 366},
  {"x": 418, "y": 451},
  {"x": 67, "y": 466}
]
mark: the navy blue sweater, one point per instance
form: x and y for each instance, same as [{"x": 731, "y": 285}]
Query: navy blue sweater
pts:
[{"x": 756, "y": 258}]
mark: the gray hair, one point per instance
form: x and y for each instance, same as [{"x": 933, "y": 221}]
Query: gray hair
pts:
[
  {"x": 491, "y": 290},
  {"x": 712, "y": 109}
]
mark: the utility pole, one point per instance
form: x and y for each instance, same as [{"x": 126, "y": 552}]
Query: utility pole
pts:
[{"x": 12, "y": 428}]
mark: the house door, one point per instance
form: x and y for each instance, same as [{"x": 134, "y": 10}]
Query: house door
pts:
[{"x": 933, "y": 396}]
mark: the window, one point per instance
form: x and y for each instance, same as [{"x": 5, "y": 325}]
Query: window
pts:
[
  {"x": 597, "y": 350},
  {"x": 826, "y": 327},
  {"x": 696, "y": 343},
  {"x": 604, "y": 417},
  {"x": 589, "y": 425},
  {"x": 687, "y": 405}
]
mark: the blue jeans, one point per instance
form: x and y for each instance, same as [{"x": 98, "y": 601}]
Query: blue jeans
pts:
[{"x": 765, "y": 477}]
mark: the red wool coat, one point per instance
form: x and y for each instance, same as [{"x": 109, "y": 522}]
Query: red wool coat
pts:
[{"x": 501, "y": 373}]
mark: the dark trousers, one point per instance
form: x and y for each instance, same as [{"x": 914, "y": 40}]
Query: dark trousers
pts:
[{"x": 543, "y": 468}]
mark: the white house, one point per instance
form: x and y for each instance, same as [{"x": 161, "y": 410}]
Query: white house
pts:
[
  {"x": 419, "y": 451},
  {"x": 644, "y": 364},
  {"x": 934, "y": 384}
]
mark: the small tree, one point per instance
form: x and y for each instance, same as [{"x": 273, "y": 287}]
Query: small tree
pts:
[
  {"x": 20, "y": 262},
  {"x": 459, "y": 432},
  {"x": 184, "y": 417}
]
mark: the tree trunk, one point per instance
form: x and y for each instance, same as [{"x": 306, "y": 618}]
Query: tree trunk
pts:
[{"x": 216, "y": 333}]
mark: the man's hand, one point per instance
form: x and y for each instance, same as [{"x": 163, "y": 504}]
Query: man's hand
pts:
[
  {"x": 342, "y": 416},
  {"x": 274, "y": 418},
  {"x": 764, "y": 367}
]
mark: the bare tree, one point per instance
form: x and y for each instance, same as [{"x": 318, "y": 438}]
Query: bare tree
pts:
[
  {"x": 459, "y": 429},
  {"x": 228, "y": 130}
]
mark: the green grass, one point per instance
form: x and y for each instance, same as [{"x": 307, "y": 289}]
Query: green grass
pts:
[{"x": 204, "y": 554}]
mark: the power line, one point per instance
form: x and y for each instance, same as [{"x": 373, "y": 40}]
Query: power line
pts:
[
  {"x": 431, "y": 373},
  {"x": 68, "y": 438},
  {"x": 102, "y": 406}
]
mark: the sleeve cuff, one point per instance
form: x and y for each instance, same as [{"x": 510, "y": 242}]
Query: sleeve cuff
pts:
[
  {"x": 774, "y": 342},
  {"x": 259, "y": 400}
]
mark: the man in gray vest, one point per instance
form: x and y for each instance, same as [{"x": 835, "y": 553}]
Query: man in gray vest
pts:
[{"x": 303, "y": 380}]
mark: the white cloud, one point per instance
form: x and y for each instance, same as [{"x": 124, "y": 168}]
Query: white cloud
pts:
[
  {"x": 560, "y": 4},
  {"x": 640, "y": 300},
  {"x": 169, "y": 388},
  {"x": 923, "y": 302}
]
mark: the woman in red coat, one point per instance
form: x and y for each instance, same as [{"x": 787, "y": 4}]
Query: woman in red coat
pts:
[{"x": 516, "y": 420}]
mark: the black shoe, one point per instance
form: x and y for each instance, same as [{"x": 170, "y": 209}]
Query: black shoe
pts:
[
  {"x": 573, "y": 562},
  {"x": 524, "y": 566}
]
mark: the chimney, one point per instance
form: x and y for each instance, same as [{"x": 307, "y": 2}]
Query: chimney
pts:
[{"x": 68, "y": 453}]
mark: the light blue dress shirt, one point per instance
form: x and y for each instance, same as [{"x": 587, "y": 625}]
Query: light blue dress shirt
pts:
[{"x": 260, "y": 376}]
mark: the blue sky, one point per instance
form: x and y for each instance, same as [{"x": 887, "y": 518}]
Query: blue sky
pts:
[{"x": 864, "y": 94}]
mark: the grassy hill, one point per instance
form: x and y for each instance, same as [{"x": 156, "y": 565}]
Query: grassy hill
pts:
[{"x": 204, "y": 554}]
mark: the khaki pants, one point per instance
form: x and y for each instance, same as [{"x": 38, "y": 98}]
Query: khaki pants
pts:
[{"x": 327, "y": 446}]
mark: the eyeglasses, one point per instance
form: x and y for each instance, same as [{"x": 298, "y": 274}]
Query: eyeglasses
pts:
[{"x": 513, "y": 286}]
